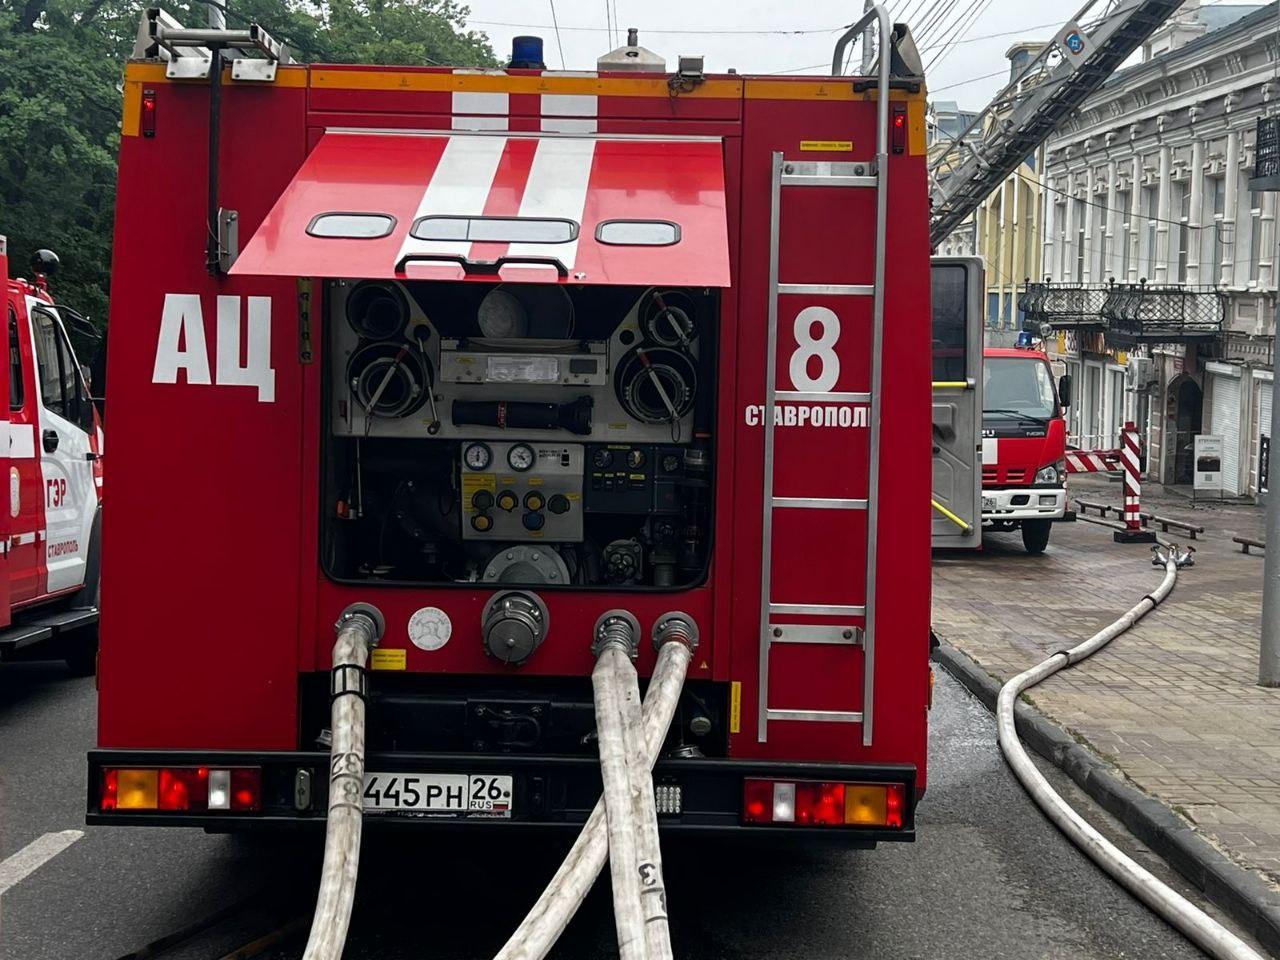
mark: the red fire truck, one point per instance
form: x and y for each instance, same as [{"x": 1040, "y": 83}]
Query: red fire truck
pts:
[
  {"x": 498, "y": 352},
  {"x": 1024, "y": 444},
  {"x": 50, "y": 527}
]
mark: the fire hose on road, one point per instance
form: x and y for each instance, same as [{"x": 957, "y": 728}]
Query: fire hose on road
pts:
[
  {"x": 623, "y": 827},
  {"x": 1215, "y": 939}
]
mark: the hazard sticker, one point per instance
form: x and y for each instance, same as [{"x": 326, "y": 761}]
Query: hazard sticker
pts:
[{"x": 388, "y": 659}]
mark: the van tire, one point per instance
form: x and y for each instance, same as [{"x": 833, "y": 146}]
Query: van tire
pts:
[{"x": 1035, "y": 535}]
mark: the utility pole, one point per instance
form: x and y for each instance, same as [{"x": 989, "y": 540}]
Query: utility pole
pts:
[
  {"x": 1269, "y": 641},
  {"x": 868, "y": 51},
  {"x": 1266, "y": 176}
]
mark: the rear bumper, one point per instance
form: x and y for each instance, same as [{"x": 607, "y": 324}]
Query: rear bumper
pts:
[
  {"x": 549, "y": 792},
  {"x": 1023, "y": 503}
]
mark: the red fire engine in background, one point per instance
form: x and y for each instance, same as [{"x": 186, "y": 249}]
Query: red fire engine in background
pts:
[
  {"x": 503, "y": 351},
  {"x": 1024, "y": 444},
  {"x": 50, "y": 522}
]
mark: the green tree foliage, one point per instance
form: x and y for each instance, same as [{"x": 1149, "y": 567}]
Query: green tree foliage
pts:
[{"x": 61, "y": 63}]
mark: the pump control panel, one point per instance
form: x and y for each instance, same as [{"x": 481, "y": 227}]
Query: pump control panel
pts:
[
  {"x": 643, "y": 478},
  {"x": 521, "y": 491}
]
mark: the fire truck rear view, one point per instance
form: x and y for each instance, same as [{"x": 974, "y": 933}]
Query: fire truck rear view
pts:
[{"x": 519, "y": 377}]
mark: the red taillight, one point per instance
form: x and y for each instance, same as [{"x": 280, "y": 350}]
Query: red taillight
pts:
[
  {"x": 246, "y": 789},
  {"x": 110, "y": 789},
  {"x": 148, "y": 113},
  {"x": 757, "y": 801},
  {"x": 899, "y": 126},
  {"x": 814, "y": 803},
  {"x": 821, "y": 804},
  {"x": 184, "y": 788},
  {"x": 894, "y": 802}
]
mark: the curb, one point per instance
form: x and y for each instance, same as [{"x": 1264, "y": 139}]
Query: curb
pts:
[{"x": 1247, "y": 898}]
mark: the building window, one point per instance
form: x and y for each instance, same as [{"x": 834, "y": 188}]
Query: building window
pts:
[
  {"x": 1104, "y": 216},
  {"x": 1079, "y": 213},
  {"x": 1218, "y": 192},
  {"x": 1255, "y": 237},
  {"x": 1182, "y": 199},
  {"x": 1059, "y": 267},
  {"x": 1147, "y": 256},
  {"x": 1122, "y": 212}
]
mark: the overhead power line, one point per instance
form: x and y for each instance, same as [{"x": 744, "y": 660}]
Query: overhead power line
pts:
[
  {"x": 760, "y": 33},
  {"x": 556, "y": 23}
]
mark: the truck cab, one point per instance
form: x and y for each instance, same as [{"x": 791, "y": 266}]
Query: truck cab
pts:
[
  {"x": 49, "y": 523},
  {"x": 1024, "y": 441}
]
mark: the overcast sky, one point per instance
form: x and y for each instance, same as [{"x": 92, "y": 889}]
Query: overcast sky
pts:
[{"x": 672, "y": 27}]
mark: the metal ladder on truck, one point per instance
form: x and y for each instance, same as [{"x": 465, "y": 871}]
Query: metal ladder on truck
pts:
[
  {"x": 1028, "y": 110},
  {"x": 775, "y": 628}
]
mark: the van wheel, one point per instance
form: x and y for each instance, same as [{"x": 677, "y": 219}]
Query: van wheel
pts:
[{"x": 1035, "y": 535}]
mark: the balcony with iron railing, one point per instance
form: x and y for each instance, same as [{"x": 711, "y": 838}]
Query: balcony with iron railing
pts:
[
  {"x": 1176, "y": 313},
  {"x": 1062, "y": 306},
  {"x": 1128, "y": 313},
  {"x": 1266, "y": 167}
]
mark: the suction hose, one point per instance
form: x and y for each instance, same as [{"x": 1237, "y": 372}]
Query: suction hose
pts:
[
  {"x": 676, "y": 637},
  {"x": 1213, "y": 938},
  {"x": 359, "y": 629},
  {"x": 617, "y": 696}
]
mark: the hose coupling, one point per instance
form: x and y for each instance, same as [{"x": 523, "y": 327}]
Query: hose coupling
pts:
[
  {"x": 1181, "y": 557},
  {"x": 675, "y": 627},
  {"x": 618, "y": 627},
  {"x": 367, "y": 616}
]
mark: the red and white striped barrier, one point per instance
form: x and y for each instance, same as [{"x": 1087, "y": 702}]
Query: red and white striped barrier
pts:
[
  {"x": 1130, "y": 459},
  {"x": 1092, "y": 461},
  {"x": 1127, "y": 459}
]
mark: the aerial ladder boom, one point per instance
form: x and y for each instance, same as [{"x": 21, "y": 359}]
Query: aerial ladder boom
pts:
[{"x": 1024, "y": 114}]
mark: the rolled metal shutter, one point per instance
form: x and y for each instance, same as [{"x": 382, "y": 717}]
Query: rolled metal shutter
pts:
[{"x": 1225, "y": 422}]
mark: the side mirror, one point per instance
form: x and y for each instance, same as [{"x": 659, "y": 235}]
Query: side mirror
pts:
[{"x": 1064, "y": 390}]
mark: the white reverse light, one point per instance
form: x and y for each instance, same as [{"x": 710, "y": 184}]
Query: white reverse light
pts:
[
  {"x": 219, "y": 789},
  {"x": 784, "y": 803}
]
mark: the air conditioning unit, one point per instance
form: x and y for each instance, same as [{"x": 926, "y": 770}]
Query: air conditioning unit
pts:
[{"x": 1139, "y": 372}]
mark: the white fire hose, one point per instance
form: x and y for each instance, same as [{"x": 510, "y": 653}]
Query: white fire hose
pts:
[
  {"x": 630, "y": 736},
  {"x": 676, "y": 637},
  {"x": 617, "y": 696},
  {"x": 1215, "y": 939},
  {"x": 359, "y": 629}
]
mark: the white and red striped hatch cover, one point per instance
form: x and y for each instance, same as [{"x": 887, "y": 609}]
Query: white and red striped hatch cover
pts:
[{"x": 416, "y": 197}]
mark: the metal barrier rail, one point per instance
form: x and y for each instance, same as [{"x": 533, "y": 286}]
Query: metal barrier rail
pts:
[{"x": 1247, "y": 542}]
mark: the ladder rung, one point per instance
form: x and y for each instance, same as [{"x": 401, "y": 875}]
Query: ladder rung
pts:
[
  {"x": 844, "y": 636},
  {"x": 815, "y": 716},
  {"x": 816, "y": 610},
  {"x": 819, "y": 503},
  {"x": 829, "y": 173},
  {"x": 814, "y": 396},
  {"x": 800, "y": 180},
  {"x": 827, "y": 289}
]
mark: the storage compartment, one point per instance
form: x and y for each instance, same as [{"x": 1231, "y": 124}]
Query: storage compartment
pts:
[{"x": 519, "y": 434}]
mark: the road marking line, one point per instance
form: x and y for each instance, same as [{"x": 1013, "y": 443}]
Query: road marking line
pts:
[{"x": 34, "y": 855}]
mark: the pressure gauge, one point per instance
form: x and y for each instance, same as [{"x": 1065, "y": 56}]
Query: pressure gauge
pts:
[
  {"x": 602, "y": 458},
  {"x": 520, "y": 457},
  {"x": 635, "y": 459},
  {"x": 477, "y": 456}
]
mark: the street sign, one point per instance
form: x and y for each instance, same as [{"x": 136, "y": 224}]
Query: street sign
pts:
[
  {"x": 1208, "y": 476},
  {"x": 1264, "y": 463},
  {"x": 1073, "y": 43}
]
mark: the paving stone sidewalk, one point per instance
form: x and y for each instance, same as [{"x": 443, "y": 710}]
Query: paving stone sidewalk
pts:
[{"x": 1174, "y": 703}]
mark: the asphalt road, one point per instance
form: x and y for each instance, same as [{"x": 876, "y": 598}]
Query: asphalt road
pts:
[{"x": 988, "y": 878}]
